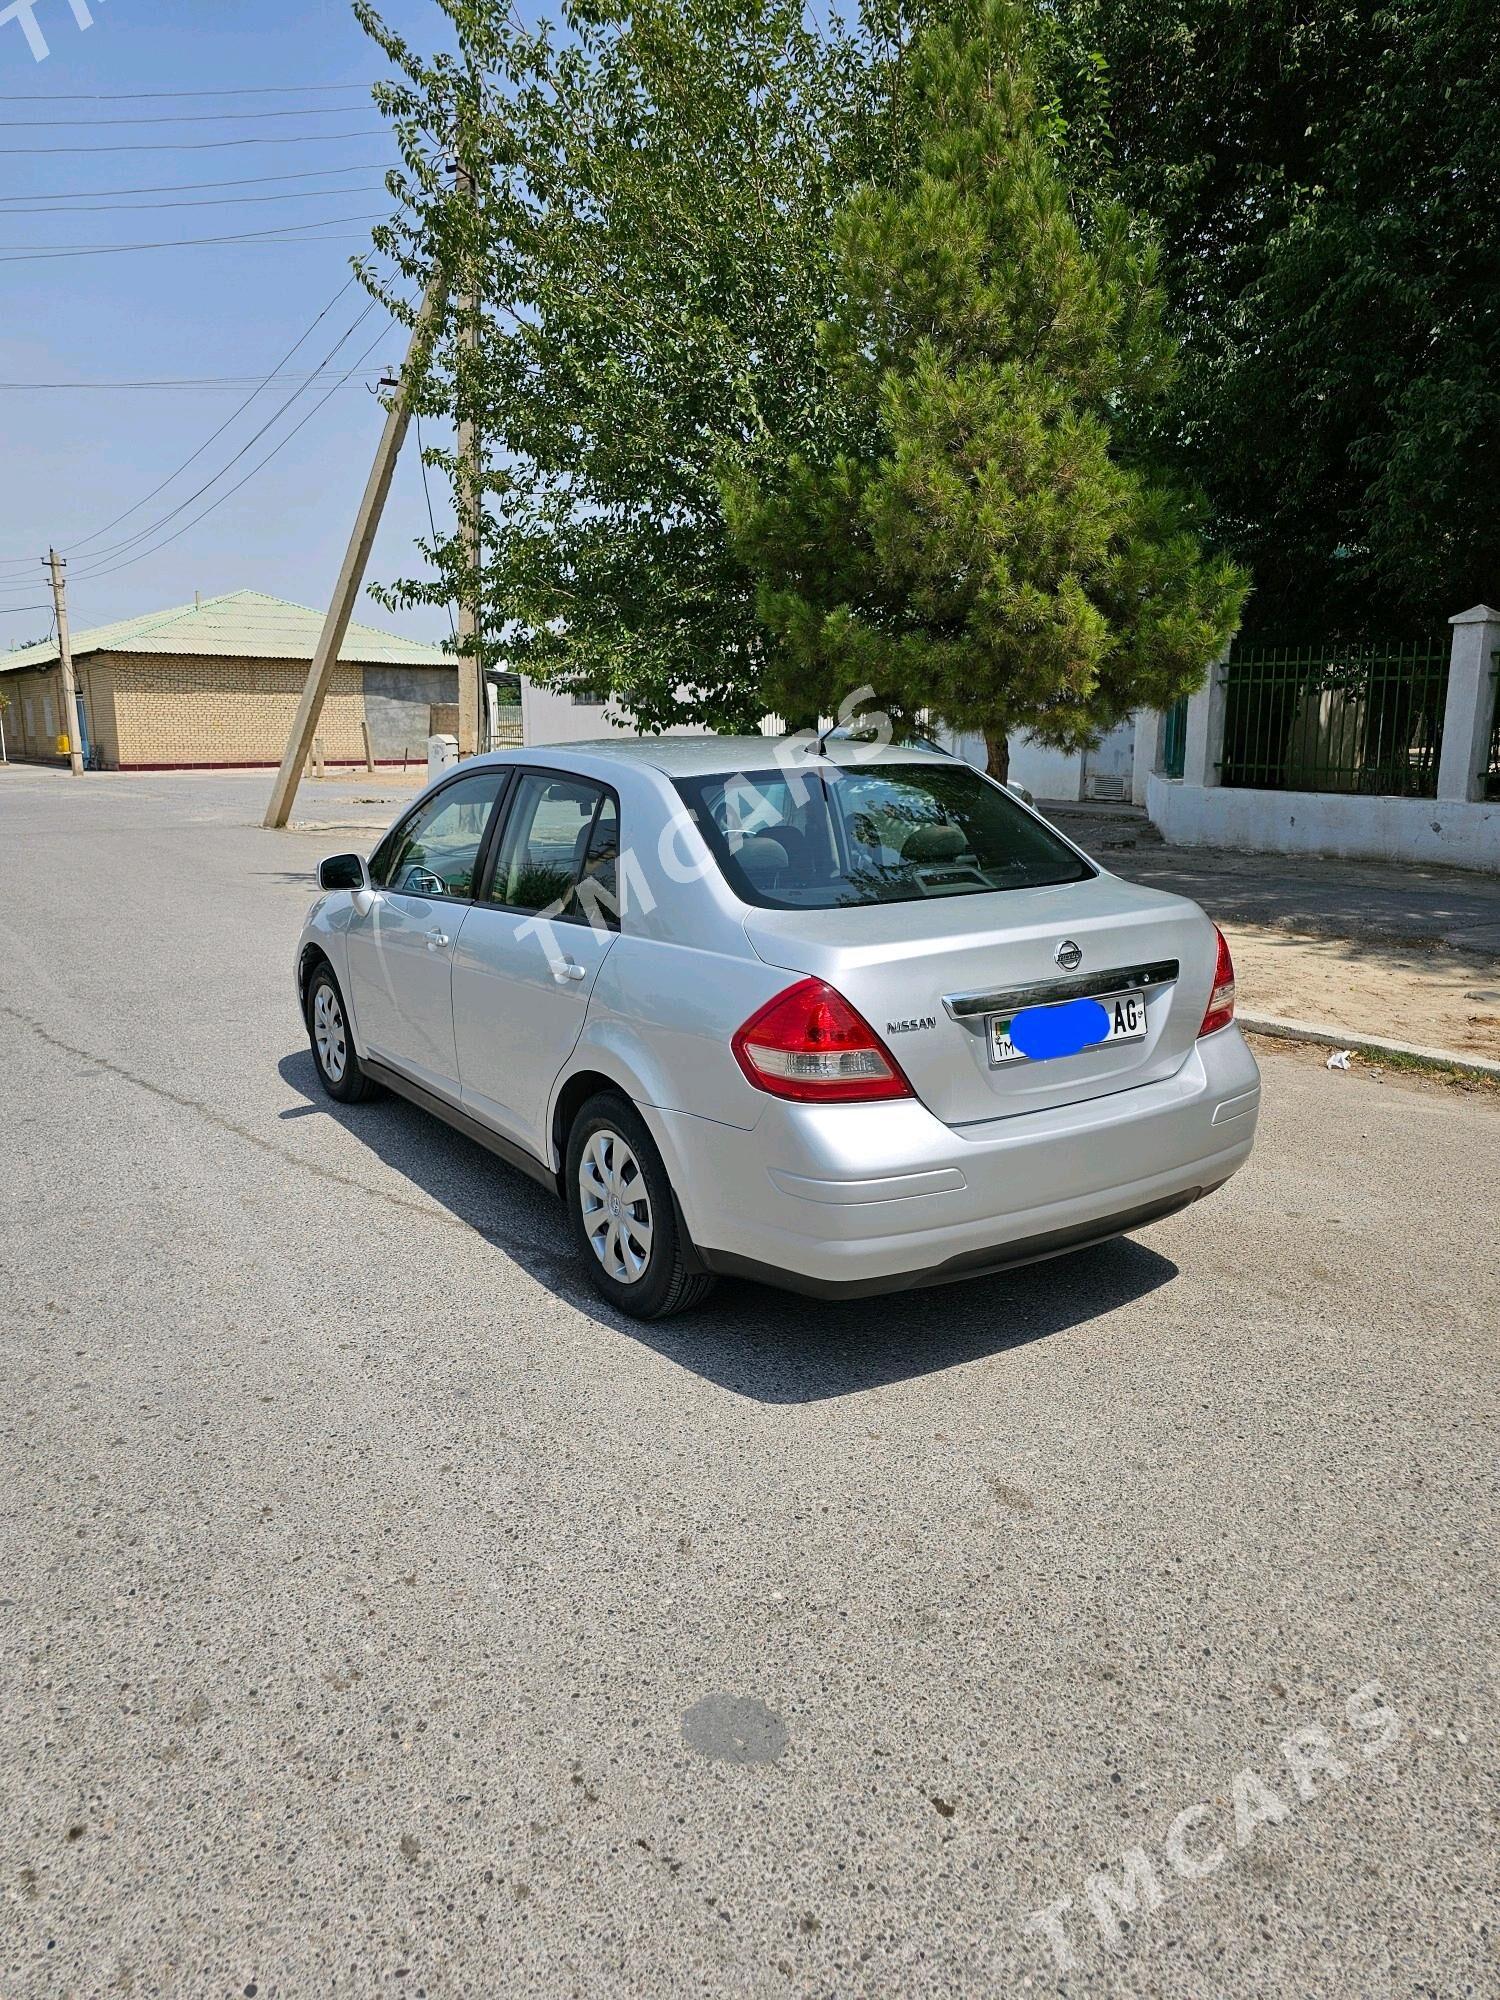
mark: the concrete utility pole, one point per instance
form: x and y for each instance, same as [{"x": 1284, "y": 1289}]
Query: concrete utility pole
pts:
[
  {"x": 473, "y": 700},
  {"x": 352, "y": 575},
  {"x": 56, "y": 565}
]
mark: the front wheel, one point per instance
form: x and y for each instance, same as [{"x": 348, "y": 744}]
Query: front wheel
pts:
[
  {"x": 623, "y": 1215},
  {"x": 333, "y": 1048}
]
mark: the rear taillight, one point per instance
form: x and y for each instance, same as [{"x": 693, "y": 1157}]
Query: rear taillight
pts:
[
  {"x": 810, "y": 1045},
  {"x": 1221, "y": 1000}
]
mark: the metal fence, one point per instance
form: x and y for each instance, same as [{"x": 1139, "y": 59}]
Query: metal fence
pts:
[
  {"x": 1174, "y": 739},
  {"x": 1492, "y": 769},
  {"x": 1330, "y": 718},
  {"x": 507, "y": 723}
]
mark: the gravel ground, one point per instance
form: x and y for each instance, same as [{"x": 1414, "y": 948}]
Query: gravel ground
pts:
[{"x": 381, "y": 1615}]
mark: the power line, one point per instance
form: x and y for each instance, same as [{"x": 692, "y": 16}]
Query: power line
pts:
[
  {"x": 281, "y": 445},
  {"x": 214, "y": 201},
  {"x": 141, "y": 96},
  {"x": 196, "y": 187},
  {"x": 213, "y": 437},
  {"x": 300, "y": 342},
  {"x": 180, "y": 382},
  {"x": 289, "y": 232},
  {"x": 195, "y": 117},
  {"x": 142, "y": 534},
  {"x": 203, "y": 145}
]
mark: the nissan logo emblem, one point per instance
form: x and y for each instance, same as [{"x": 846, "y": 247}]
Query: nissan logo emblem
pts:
[{"x": 1068, "y": 955}]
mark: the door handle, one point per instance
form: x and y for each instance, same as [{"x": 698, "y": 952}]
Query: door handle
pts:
[
  {"x": 438, "y": 940},
  {"x": 564, "y": 969}
]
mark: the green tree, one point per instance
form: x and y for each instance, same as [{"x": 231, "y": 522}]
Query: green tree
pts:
[
  {"x": 649, "y": 252},
  {"x": 988, "y": 539},
  {"x": 1324, "y": 177}
]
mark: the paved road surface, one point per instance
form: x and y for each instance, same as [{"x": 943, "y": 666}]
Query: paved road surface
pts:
[{"x": 379, "y": 1610}]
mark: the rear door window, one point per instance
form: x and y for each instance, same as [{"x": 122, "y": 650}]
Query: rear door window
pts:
[{"x": 561, "y": 836}]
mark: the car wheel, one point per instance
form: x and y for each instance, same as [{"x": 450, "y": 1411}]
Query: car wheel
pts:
[
  {"x": 333, "y": 1048},
  {"x": 623, "y": 1214}
]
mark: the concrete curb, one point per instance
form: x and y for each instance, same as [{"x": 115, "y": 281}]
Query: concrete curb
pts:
[{"x": 1373, "y": 1045}]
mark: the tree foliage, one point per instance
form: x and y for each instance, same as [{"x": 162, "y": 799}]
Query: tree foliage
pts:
[
  {"x": 799, "y": 362},
  {"x": 649, "y": 253},
  {"x": 1324, "y": 176},
  {"x": 987, "y": 538}
]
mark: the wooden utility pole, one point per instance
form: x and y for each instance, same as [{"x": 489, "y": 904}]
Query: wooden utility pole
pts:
[
  {"x": 473, "y": 700},
  {"x": 352, "y": 575},
  {"x": 56, "y": 566}
]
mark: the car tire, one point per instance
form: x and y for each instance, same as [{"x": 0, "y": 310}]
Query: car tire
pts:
[
  {"x": 334, "y": 1055},
  {"x": 625, "y": 1219}
]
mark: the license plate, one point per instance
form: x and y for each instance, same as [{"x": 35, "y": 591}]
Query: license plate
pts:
[{"x": 1127, "y": 1023}]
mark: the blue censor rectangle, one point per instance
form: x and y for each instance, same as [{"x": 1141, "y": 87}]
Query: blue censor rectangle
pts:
[{"x": 1040, "y": 1032}]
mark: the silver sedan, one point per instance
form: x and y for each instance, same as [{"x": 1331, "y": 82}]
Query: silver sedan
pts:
[{"x": 843, "y": 1017}]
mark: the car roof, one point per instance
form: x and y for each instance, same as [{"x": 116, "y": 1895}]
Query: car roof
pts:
[{"x": 718, "y": 756}]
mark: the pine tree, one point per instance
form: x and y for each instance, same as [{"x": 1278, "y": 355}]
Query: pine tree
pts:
[{"x": 988, "y": 542}]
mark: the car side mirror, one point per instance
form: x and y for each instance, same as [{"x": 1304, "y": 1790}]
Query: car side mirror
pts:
[{"x": 343, "y": 871}]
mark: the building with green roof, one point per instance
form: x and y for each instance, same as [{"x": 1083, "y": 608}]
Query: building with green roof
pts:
[{"x": 216, "y": 683}]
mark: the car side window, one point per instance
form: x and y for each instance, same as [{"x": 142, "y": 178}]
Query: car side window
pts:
[
  {"x": 596, "y": 896},
  {"x": 561, "y": 835},
  {"x": 435, "y": 850}
]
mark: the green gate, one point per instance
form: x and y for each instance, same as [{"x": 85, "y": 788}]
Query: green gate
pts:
[{"x": 1174, "y": 739}]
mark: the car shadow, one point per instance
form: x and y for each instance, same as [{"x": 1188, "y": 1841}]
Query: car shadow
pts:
[{"x": 768, "y": 1345}]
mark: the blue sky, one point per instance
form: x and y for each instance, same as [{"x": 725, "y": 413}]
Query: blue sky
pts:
[{"x": 71, "y": 462}]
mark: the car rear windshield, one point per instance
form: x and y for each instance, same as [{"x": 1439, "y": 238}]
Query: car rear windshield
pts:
[{"x": 878, "y": 833}]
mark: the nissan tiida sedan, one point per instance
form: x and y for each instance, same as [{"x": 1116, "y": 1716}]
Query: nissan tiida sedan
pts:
[{"x": 845, "y": 1018}]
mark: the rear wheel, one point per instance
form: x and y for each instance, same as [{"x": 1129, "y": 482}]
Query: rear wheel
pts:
[
  {"x": 623, "y": 1214},
  {"x": 333, "y": 1048}
]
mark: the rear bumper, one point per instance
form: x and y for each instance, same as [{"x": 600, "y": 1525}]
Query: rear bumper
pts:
[
  {"x": 976, "y": 1263},
  {"x": 846, "y": 1200}
]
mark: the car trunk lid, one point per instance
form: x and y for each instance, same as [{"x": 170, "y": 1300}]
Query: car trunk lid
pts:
[{"x": 923, "y": 974}]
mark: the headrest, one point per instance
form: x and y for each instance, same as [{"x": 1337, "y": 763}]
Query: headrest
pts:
[
  {"x": 760, "y": 856},
  {"x": 935, "y": 841}
]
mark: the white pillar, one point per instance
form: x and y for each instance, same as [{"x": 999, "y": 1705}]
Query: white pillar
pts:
[
  {"x": 1470, "y": 710},
  {"x": 1205, "y": 727},
  {"x": 1149, "y": 724}
]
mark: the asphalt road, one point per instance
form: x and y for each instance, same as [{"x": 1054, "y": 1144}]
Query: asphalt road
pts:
[{"x": 382, "y": 1616}]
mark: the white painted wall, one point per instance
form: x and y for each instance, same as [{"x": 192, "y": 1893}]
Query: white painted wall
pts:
[
  {"x": 1058, "y": 774},
  {"x": 548, "y": 716},
  {"x": 1106, "y": 769},
  {"x": 1046, "y": 773},
  {"x": 1458, "y": 833}
]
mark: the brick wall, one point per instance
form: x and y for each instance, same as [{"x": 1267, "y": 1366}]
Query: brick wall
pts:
[
  {"x": 96, "y": 683},
  {"x": 182, "y": 709},
  {"x": 35, "y": 698}
]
